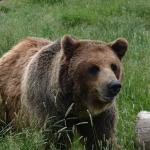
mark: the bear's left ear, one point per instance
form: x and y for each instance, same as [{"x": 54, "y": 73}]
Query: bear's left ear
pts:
[
  {"x": 120, "y": 47},
  {"x": 69, "y": 45}
]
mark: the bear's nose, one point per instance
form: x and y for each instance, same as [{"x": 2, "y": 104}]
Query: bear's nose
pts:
[{"x": 114, "y": 87}]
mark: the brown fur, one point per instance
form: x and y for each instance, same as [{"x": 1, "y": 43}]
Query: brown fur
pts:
[
  {"x": 40, "y": 79},
  {"x": 11, "y": 71}
]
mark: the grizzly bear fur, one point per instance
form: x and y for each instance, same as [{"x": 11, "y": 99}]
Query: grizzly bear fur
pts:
[{"x": 64, "y": 83}]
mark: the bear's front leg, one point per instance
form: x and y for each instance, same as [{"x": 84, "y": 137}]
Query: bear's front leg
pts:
[{"x": 99, "y": 133}]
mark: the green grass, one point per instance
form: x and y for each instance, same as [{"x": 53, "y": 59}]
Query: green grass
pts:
[
  {"x": 27, "y": 139},
  {"x": 97, "y": 19}
]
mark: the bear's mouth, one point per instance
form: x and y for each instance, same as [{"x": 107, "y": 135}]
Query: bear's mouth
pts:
[{"x": 108, "y": 98}]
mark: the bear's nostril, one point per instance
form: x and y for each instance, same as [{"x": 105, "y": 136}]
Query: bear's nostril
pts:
[{"x": 114, "y": 87}]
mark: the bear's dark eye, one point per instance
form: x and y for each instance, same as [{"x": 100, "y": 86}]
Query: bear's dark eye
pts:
[
  {"x": 94, "y": 69},
  {"x": 114, "y": 67}
]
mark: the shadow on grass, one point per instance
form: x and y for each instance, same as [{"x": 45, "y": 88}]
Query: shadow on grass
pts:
[{"x": 4, "y": 9}]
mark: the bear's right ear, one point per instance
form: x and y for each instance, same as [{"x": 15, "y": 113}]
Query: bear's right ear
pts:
[{"x": 69, "y": 44}]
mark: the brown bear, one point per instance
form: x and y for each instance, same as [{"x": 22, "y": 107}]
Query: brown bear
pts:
[{"x": 64, "y": 84}]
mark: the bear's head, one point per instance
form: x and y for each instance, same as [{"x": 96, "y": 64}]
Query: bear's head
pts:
[{"x": 91, "y": 72}]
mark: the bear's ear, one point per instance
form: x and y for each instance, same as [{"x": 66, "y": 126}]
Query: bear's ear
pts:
[
  {"x": 69, "y": 45},
  {"x": 120, "y": 47}
]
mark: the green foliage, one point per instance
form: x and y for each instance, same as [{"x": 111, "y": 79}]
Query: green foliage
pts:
[
  {"x": 96, "y": 19},
  {"x": 27, "y": 139},
  {"x": 4, "y": 9},
  {"x": 51, "y": 2}
]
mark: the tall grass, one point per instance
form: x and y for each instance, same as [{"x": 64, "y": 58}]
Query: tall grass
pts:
[{"x": 96, "y": 19}]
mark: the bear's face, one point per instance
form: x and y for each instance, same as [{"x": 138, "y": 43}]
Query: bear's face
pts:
[{"x": 95, "y": 70}]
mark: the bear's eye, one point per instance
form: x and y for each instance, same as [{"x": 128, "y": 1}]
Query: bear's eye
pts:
[
  {"x": 114, "y": 67},
  {"x": 94, "y": 70}
]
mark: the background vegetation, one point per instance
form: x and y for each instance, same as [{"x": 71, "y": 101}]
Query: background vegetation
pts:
[{"x": 103, "y": 20}]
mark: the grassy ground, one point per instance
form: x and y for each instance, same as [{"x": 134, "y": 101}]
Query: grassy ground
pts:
[{"x": 97, "y": 19}]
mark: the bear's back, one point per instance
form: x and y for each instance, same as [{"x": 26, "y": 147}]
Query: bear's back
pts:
[{"x": 12, "y": 66}]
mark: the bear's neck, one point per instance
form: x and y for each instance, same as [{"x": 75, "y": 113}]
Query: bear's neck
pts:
[
  {"x": 61, "y": 95},
  {"x": 56, "y": 95},
  {"x": 54, "y": 73},
  {"x": 58, "y": 87}
]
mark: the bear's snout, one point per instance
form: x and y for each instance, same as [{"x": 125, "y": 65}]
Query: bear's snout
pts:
[{"x": 113, "y": 88}]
